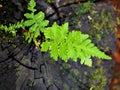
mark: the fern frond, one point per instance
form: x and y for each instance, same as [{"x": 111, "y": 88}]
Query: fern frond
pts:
[
  {"x": 36, "y": 22},
  {"x": 12, "y": 28},
  {"x": 74, "y": 45},
  {"x": 31, "y": 6}
]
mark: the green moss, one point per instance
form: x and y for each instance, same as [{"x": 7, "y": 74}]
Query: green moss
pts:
[
  {"x": 85, "y": 8},
  {"x": 101, "y": 23},
  {"x": 98, "y": 79},
  {"x": 65, "y": 66}
]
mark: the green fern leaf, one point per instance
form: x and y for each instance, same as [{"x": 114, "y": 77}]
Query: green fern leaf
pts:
[
  {"x": 74, "y": 45},
  {"x": 54, "y": 50},
  {"x": 63, "y": 52},
  {"x": 71, "y": 52},
  {"x": 39, "y": 16},
  {"x": 51, "y": 32},
  {"x": 45, "y": 46},
  {"x": 29, "y": 22},
  {"x": 33, "y": 28},
  {"x": 30, "y": 39},
  {"x": 56, "y": 32},
  {"x": 36, "y": 22},
  {"x": 44, "y": 23},
  {"x": 36, "y": 33},
  {"x": 86, "y": 61},
  {"x": 31, "y": 5},
  {"x": 28, "y": 15}
]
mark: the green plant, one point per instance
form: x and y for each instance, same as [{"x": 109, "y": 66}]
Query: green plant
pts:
[
  {"x": 70, "y": 45},
  {"x": 36, "y": 23},
  {"x": 61, "y": 43},
  {"x": 12, "y": 27}
]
